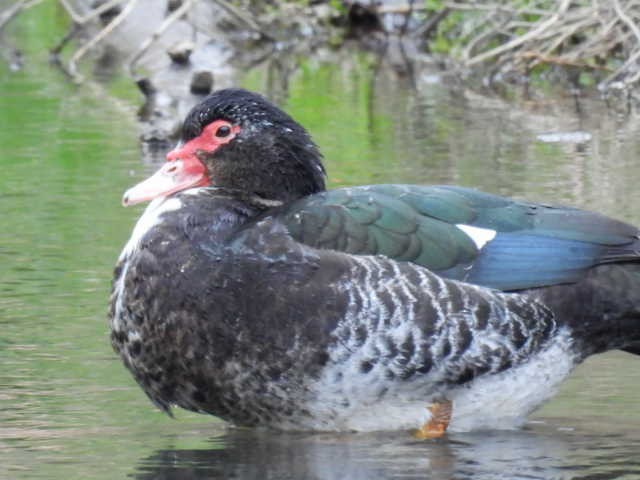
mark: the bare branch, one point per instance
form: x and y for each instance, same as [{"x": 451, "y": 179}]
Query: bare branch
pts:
[
  {"x": 523, "y": 39},
  {"x": 80, "y": 20},
  {"x": 560, "y": 61},
  {"x": 98, "y": 38},
  {"x": 430, "y": 25},
  {"x": 13, "y": 11},
  {"x": 620, "y": 71},
  {"x": 623, "y": 16},
  {"x": 493, "y": 7},
  {"x": 175, "y": 15},
  {"x": 242, "y": 17}
]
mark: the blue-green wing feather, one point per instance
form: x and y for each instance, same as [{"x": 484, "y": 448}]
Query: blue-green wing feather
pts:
[{"x": 534, "y": 245}]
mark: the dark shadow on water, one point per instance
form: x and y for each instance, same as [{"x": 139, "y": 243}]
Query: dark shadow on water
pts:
[{"x": 535, "y": 453}]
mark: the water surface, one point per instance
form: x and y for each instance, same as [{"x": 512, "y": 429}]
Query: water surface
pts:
[{"x": 68, "y": 408}]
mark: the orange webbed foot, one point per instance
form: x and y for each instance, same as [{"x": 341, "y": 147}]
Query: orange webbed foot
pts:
[{"x": 439, "y": 422}]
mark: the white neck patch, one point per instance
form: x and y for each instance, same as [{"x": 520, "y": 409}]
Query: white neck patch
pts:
[{"x": 149, "y": 219}]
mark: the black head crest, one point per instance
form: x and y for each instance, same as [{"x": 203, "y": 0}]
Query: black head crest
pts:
[
  {"x": 241, "y": 107},
  {"x": 273, "y": 156}
]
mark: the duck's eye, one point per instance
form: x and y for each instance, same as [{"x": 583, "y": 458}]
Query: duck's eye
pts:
[{"x": 223, "y": 131}]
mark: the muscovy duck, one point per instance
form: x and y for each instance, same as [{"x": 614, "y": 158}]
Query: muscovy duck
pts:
[{"x": 249, "y": 292}]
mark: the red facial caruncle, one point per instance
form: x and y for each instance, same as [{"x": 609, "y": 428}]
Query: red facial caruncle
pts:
[{"x": 183, "y": 169}]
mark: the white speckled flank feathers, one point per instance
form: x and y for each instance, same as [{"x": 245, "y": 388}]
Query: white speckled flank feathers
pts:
[
  {"x": 388, "y": 365},
  {"x": 503, "y": 401}
]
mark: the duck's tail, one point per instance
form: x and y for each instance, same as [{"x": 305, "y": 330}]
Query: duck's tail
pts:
[{"x": 602, "y": 310}]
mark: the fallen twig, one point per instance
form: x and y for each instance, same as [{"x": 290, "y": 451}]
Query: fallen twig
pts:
[
  {"x": 494, "y": 8},
  {"x": 560, "y": 61},
  {"x": 175, "y": 15},
  {"x": 620, "y": 71},
  {"x": 518, "y": 36},
  {"x": 400, "y": 9},
  {"x": 242, "y": 18},
  {"x": 523, "y": 39},
  {"x": 72, "y": 65},
  {"x": 431, "y": 25},
  {"x": 78, "y": 22},
  {"x": 11, "y": 12},
  {"x": 57, "y": 48},
  {"x": 623, "y": 16}
]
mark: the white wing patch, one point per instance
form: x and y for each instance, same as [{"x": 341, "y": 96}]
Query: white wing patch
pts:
[{"x": 480, "y": 236}]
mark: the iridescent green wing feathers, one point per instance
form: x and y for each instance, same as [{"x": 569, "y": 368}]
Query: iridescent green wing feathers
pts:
[
  {"x": 384, "y": 220},
  {"x": 521, "y": 245}
]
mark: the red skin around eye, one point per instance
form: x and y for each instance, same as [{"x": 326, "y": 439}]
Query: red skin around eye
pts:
[
  {"x": 207, "y": 141},
  {"x": 183, "y": 168}
]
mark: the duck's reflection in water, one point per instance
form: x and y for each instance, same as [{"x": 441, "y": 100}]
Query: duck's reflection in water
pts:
[{"x": 526, "y": 454}]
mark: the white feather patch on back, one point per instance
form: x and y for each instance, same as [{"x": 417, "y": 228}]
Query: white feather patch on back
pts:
[{"x": 480, "y": 236}]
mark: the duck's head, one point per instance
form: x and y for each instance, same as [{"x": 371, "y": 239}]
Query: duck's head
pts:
[{"x": 237, "y": 139}]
